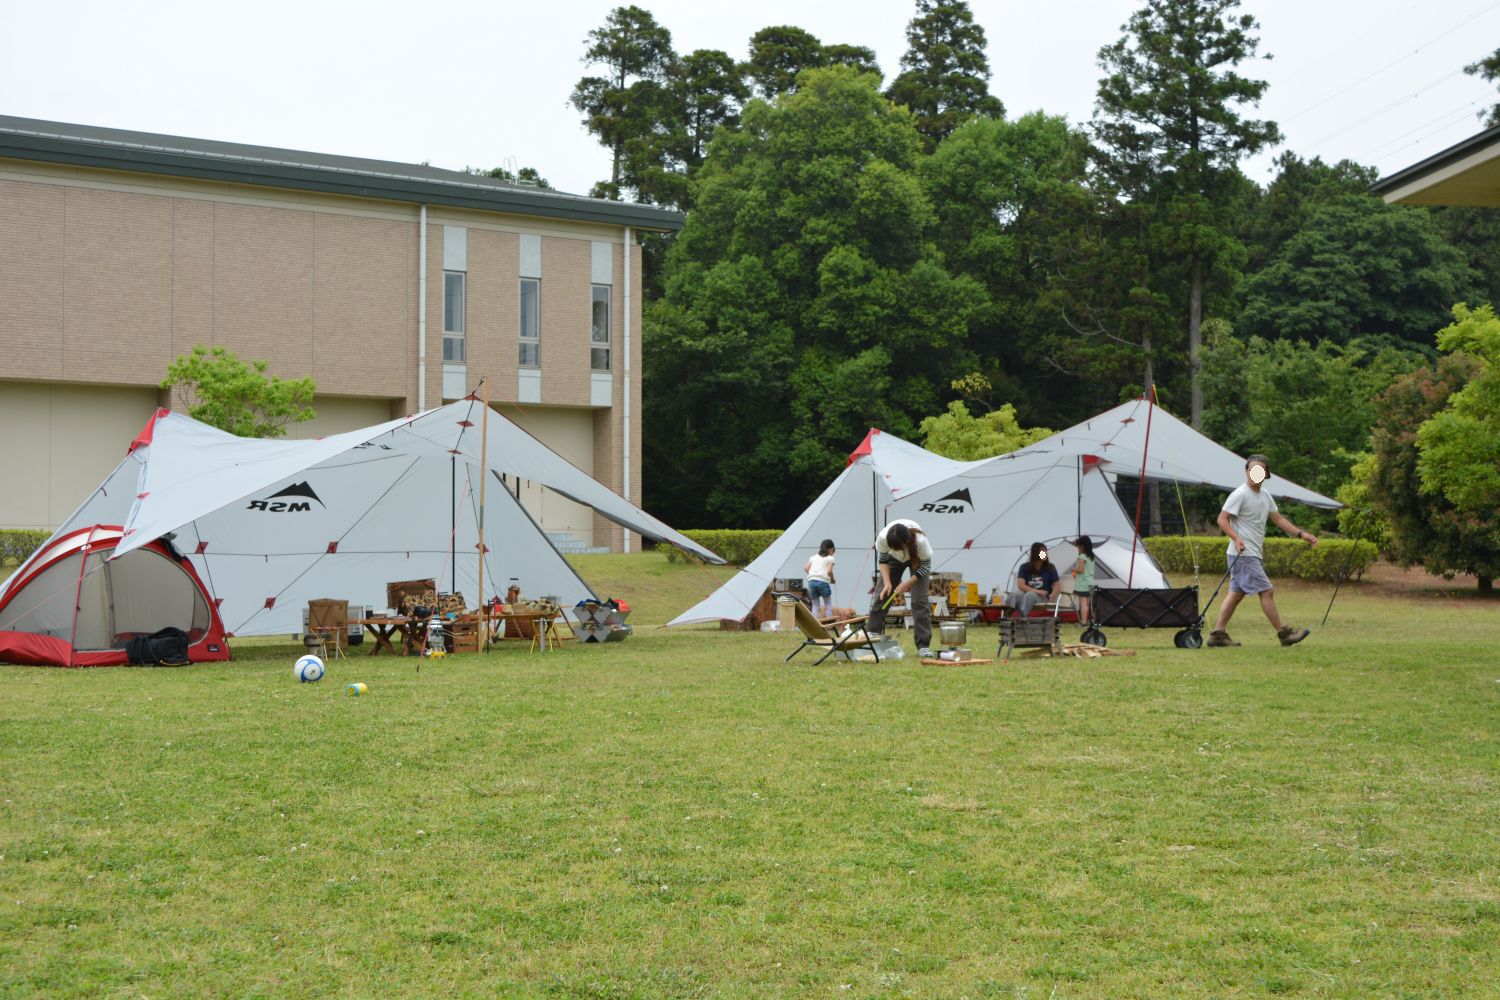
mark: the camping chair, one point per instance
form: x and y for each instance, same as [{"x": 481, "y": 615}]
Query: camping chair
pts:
[
  {"x": 827, "y": 637},
  {"x": 328, "y": 621}
]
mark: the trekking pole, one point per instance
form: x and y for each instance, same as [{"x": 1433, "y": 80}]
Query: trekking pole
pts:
[{"x": 1339, "y": 582}]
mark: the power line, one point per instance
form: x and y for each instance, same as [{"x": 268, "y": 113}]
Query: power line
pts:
[
  {"x": 1380, "y": 111},
  {"x": 1399, "y": 59},
  {"x": 1447, "y": 121}
]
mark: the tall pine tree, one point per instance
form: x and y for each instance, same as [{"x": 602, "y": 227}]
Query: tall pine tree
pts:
[
  {"x": 945, "y": 73},
  {"x": 1169, "y": 115},
  {"x": 622, "y": 108}
]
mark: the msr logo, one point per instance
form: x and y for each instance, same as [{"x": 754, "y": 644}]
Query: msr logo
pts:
[
  {"x": 957, "y": 502},
  {"x": 275, "y": 506}
]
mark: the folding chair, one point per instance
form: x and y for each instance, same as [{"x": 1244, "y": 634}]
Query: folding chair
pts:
[
  {"x": 328, "y": 620},
  {"x": 827, "y": 637}
]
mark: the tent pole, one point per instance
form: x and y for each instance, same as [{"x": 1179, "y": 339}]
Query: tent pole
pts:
[
  {"x": 453, "y": 520},
  {"x": 1078, "y": 491},
  {"x": 1140, "y": 492},
  {"x": 484, "y": 477}
]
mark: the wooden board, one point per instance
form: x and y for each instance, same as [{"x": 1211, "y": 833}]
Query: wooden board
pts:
[{"x": 933, "y": 661}]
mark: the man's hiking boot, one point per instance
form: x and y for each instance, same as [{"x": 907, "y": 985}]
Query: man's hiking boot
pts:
[
  {"x": 1218, "y": 637},
  {"x": 1291, "y": 636}
]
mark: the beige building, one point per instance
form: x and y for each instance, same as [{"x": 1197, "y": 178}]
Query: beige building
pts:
[{"x": 395, "y": 286}]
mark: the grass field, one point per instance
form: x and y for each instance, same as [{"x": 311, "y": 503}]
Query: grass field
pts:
[{"x": 681, "y": 815}]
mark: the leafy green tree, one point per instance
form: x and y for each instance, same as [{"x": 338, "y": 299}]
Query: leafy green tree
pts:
[
  {"x": 861, "y": 58},
  {"x": 1169, "y": 113},
  {"x": 1011, "y": 199},
  {"x": 623, "y": 108},
  {"x": 1487, "y": 69},
  {"x": 710, "y": 89},
  {"x": 1458, "y": 448},
  {"x": 1283, "y": 208},
  {"x": 1474, "y": 233},
  {"x": 960, "y": 435},
  {"x": 805, "y": 300},
  {"x": 777, "y": 55},
  {"x": 1359, "y": 518},
  {"x": 1357, "y": 266},
  {"x": 1426, "y": 529},
  {"x": 219, "y": 389},
  {"x": 945, "y": 72},
  {"x": 528, "y": 176}
]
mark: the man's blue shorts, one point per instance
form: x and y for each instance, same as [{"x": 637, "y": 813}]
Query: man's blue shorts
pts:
[{"x": 1247, "y": 575}]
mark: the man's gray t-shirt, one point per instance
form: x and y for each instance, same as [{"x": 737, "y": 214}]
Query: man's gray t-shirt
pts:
[{"x": 1249, "y": 508}]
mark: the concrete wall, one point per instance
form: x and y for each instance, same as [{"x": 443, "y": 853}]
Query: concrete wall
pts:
[
  {"x": 570, "y": 433},
  {"x": 58, "y": 442}
]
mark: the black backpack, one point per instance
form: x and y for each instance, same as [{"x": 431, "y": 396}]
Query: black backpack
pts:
[{"x": 167, "y": 647}]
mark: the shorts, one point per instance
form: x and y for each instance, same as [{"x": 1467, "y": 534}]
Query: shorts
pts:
[
  {"x": 1247, "y": 575},
  {"x": 819, "y": 588}
]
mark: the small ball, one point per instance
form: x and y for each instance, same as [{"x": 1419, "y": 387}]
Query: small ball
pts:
[{"x": 308, "y": 669}]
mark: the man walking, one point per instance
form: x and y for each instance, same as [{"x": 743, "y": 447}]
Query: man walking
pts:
[{"x": 1243, "y": 519}]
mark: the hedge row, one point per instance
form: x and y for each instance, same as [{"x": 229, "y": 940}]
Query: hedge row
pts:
[
  {"x": 1284, "y": 557},
  {"x": 16, "y": 544},
  {"x": 737, "y": 545}
]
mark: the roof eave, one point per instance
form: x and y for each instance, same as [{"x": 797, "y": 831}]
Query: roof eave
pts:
[
  {"x": 1388, "y": 186},
  {"x": 230, "y": 171}
]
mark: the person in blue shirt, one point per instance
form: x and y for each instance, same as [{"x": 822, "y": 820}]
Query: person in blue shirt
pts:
[{"x": 1036, "y": 581}]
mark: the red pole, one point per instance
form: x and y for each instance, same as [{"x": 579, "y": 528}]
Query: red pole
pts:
[{"x": 1140, "y": 493}]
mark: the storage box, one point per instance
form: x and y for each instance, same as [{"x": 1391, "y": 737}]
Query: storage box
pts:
[
  {"x": 394, "y": 592},
  {"x": 786, "y": 613},
  {"x": 326, "y": 614},
  {"x": 463, "y": 635}
]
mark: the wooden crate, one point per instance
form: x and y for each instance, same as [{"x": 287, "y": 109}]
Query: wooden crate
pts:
[
  {"x": 395, "y": 591},
  {"x": 463, "y": 635}
]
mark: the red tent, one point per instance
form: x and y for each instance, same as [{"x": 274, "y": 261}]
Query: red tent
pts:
[{"x": 70, "y": 605}]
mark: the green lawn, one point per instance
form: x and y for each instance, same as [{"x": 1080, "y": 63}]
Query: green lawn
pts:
[{"x": 681, "y": 815}]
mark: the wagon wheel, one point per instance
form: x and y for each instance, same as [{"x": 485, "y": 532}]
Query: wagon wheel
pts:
[
  {"x": 1094, "y": 637},
  {"x": 1188, "y": 638}
]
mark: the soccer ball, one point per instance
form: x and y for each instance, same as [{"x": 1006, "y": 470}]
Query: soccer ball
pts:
[{"x": 308, "y": 669}]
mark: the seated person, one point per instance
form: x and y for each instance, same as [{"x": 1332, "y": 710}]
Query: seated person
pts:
[{"x": 1037, "y": 581}]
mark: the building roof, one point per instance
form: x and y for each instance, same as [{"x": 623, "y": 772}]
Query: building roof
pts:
[
  {"x": 1464, "y": 174},
  {"x": 266, "y": 166}
]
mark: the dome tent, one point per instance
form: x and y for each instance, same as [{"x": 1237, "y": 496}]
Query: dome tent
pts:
[{"x": 75, "y": 606}]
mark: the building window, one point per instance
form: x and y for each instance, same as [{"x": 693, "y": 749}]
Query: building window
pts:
[
  {"x": 599, "y": 349},
  {"x": 531, "y": 323},
  {"x": 454, "y": 321}
]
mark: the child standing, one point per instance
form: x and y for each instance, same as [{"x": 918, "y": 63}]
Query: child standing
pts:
[
  {"x": 819, "y": 570},
  {"x": 1083, "y": 576}
]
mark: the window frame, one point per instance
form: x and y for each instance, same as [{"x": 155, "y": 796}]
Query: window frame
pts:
[
  {"x": 455, "y": 342},
  {"x": 535, "y": 340},
  {"x": 595, "y": 344}
]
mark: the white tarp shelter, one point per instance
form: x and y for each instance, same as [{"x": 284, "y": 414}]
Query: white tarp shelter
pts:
[
  {"x": 272, "y": 524},
  {"x": 983, "y": 516}
]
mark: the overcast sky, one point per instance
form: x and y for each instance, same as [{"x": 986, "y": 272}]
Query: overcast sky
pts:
[{"x": 465, "y": 83}]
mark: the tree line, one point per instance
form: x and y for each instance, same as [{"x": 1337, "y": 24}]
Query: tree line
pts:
[{"x": 859, "y": 252}]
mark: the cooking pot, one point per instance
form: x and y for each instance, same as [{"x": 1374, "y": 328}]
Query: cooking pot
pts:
[{"x": 953, "y": 633}]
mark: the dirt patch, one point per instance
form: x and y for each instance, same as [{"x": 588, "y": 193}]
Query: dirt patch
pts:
[{"x": 1385, "y": 579}]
